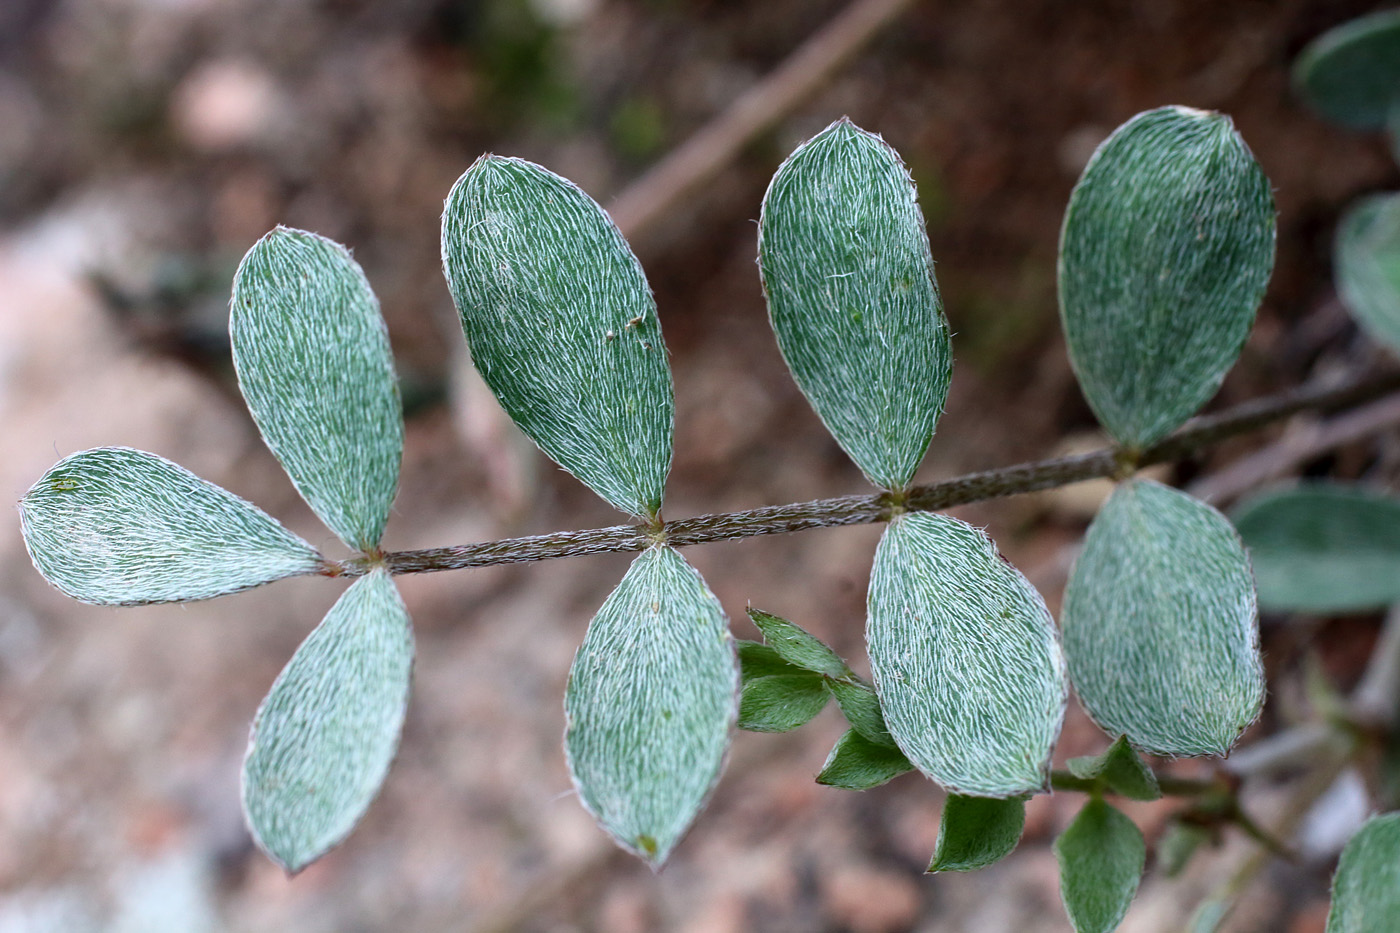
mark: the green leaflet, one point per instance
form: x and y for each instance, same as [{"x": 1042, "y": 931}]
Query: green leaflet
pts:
[
  {"x": 121, "y": 527},
  {"x": 651, "y": 697},
  {"x": 1101, "y": 856},
  {"x": 562, "y": 326},
  {"x": 1323, "y": 547},
  {"x": 856, "y": 763},
  {"x": 1121, "y": 771},
  {"x": 795, "y": 646},
  {"x": 759, "y": 660},
  {"x": 975, "y": 832},
  {"x": 966, "y": 659},
  {"x": 327, "y": 732},
  {"x": 1167, "y": 245},
  {"x": 314, "y": 365},
  {"x": 852, "y": 298},
  {"x": 1160, "y": 625},
  {"x": 1366, "y": 888},
  {"x": 1366, "y": 258},
  {"x": 862, "y": 710},
  {"x": 781, "y": 702},
  {"x": 1351, "y": 74}
]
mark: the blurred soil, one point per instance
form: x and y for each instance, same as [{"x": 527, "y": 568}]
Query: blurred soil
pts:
[{"x": 145, "y": 144}]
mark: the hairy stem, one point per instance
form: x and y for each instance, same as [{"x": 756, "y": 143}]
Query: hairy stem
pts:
[{"x": 1196, "y": 435}]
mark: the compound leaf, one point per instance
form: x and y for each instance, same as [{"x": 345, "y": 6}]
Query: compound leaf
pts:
[
  {"x": 852, "y": 298},
  {"x": 975, "y": 832},
  {"x": 966, "y": 659},
  {"x": 1101, "y": 856},
  {"x": 1351, "y": 74},
  {"x": 121, "y": 527},
  {"x": 327, "y": 732},
  {"x": 781, "y": 702},
  {"x": 651, "y": 697},
  {"x": 313, "y": 361},
  {"x": 562, "y": 326},
  {"x": 856, "y": 763},
  {"x": 1167, "y": 245},
  {"x": 1323, "y": 547},
  {"x": 1160, "y": 625},
  {"x": 795, "y": 646},
  {"x": 1122, "y": 771},
  {"x": 1366, "y": 888},
  {"x": 1367, "y": 261}
]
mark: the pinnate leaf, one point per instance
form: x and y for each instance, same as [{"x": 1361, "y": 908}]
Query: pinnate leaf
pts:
[
  {"x": 852, "y": 298},
  {"x": 1367, "y": 262},
  {"x": 121, "y": 527},
  {"x": 856, "y": 763},
  {"x": 1101, "y": 856},
  {"x": 781, "y": 702},
  {"x": 795, "y": 646},
  {"x": 1351, "y": 74},
  {"x": 1121, "y": 770},
  {"x": 1323, "y": 547},
  {"x": 1168, "y": 243},
  {"x": 975, "y": 832},
  {"x": 562, "y": 326},
  {"x": 327, "y": 732},
  {"x": 1160, "y": 625},
  {"x": 1366, "y": 888},
  {"x": 966, "y": 660},
  {"x": 651, "y": 696},
  {"x": 314, "y": 364}
]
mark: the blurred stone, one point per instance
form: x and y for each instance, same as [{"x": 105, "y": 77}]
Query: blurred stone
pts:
[{"x": 228, "y": 104}]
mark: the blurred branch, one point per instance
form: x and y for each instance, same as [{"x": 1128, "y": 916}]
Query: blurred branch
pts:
[
  {"x": 1198, "y": 434},
  {"x": 704, "y": 154}
]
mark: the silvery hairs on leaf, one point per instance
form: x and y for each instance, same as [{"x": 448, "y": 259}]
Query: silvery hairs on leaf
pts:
[
  {"x": 1350, "y": 74},
  {"x": 562, "y": 326},
  {"x": 1366, "y": 888},
  {"x": 313, "y": 361},
  {"x": 1323, "y": 547},
  {"x": 327, "y": 732},
  {"x": 1366, "y": 258},
  {"x": 1160, "y": 625},
  {"x": 651, "y": 698},
  {"x": 121, "y": 527},
  {"x": 852, "y": 298},
  {"x": 966, "y": 658},
  {"x": 1166, "y": 249}
]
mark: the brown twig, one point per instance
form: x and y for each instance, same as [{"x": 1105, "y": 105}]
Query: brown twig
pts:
[{"x": 876, "y": 507}]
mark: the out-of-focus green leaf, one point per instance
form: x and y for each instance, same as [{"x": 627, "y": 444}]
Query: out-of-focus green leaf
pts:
[
  {"x": 1367, "y": 263},
  {"x": 1323, "y": 547},
  {"x": 966, "y": 660},
  {"x": 1178, "y": 843},
  {"x": 327, "y": 732},
  {"x": 1121, "y": 769},
  {"x": 121, "y": 527},
  {"x": 852, "y": 298},
  {"x": 797, "y": 647},
  {"x": 1101, "y": 856},
  {"x": 861, "y": 708},
  {"x": 562, "y": 326},
  {"x": 759, "y": 660},
  {"x": 314, "y": 365},
  {"x": 1366, "y": 888},
  {"x": 1167, "y": 246},
  {"x": 975, "y": 832},
  {"x": 856, "y": 763},
  {"x": 651, "y": 696},
  {"x": 781, "y": 702},
  {"x": 1351, "y": 74},
  {"x": 1160, "y": 625}
]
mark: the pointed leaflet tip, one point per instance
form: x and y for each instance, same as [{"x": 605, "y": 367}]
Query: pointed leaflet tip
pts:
[
  {"x": 562, "y": 326},
  {"x": 966, "y": 658},
  {"x": 122, "y": 527},
  {"x": 1160, "y": 626},
  {"x": 1166, "y": 249},
  {"x": 852, "y": 298},
  {"x": 650, "y": 701},
  {"x": 325, "y": 736},
  {"x": 313, "y": 361}
]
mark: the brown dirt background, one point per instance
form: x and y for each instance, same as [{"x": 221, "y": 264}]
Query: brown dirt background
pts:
[{"x": 144, "y": 145}]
